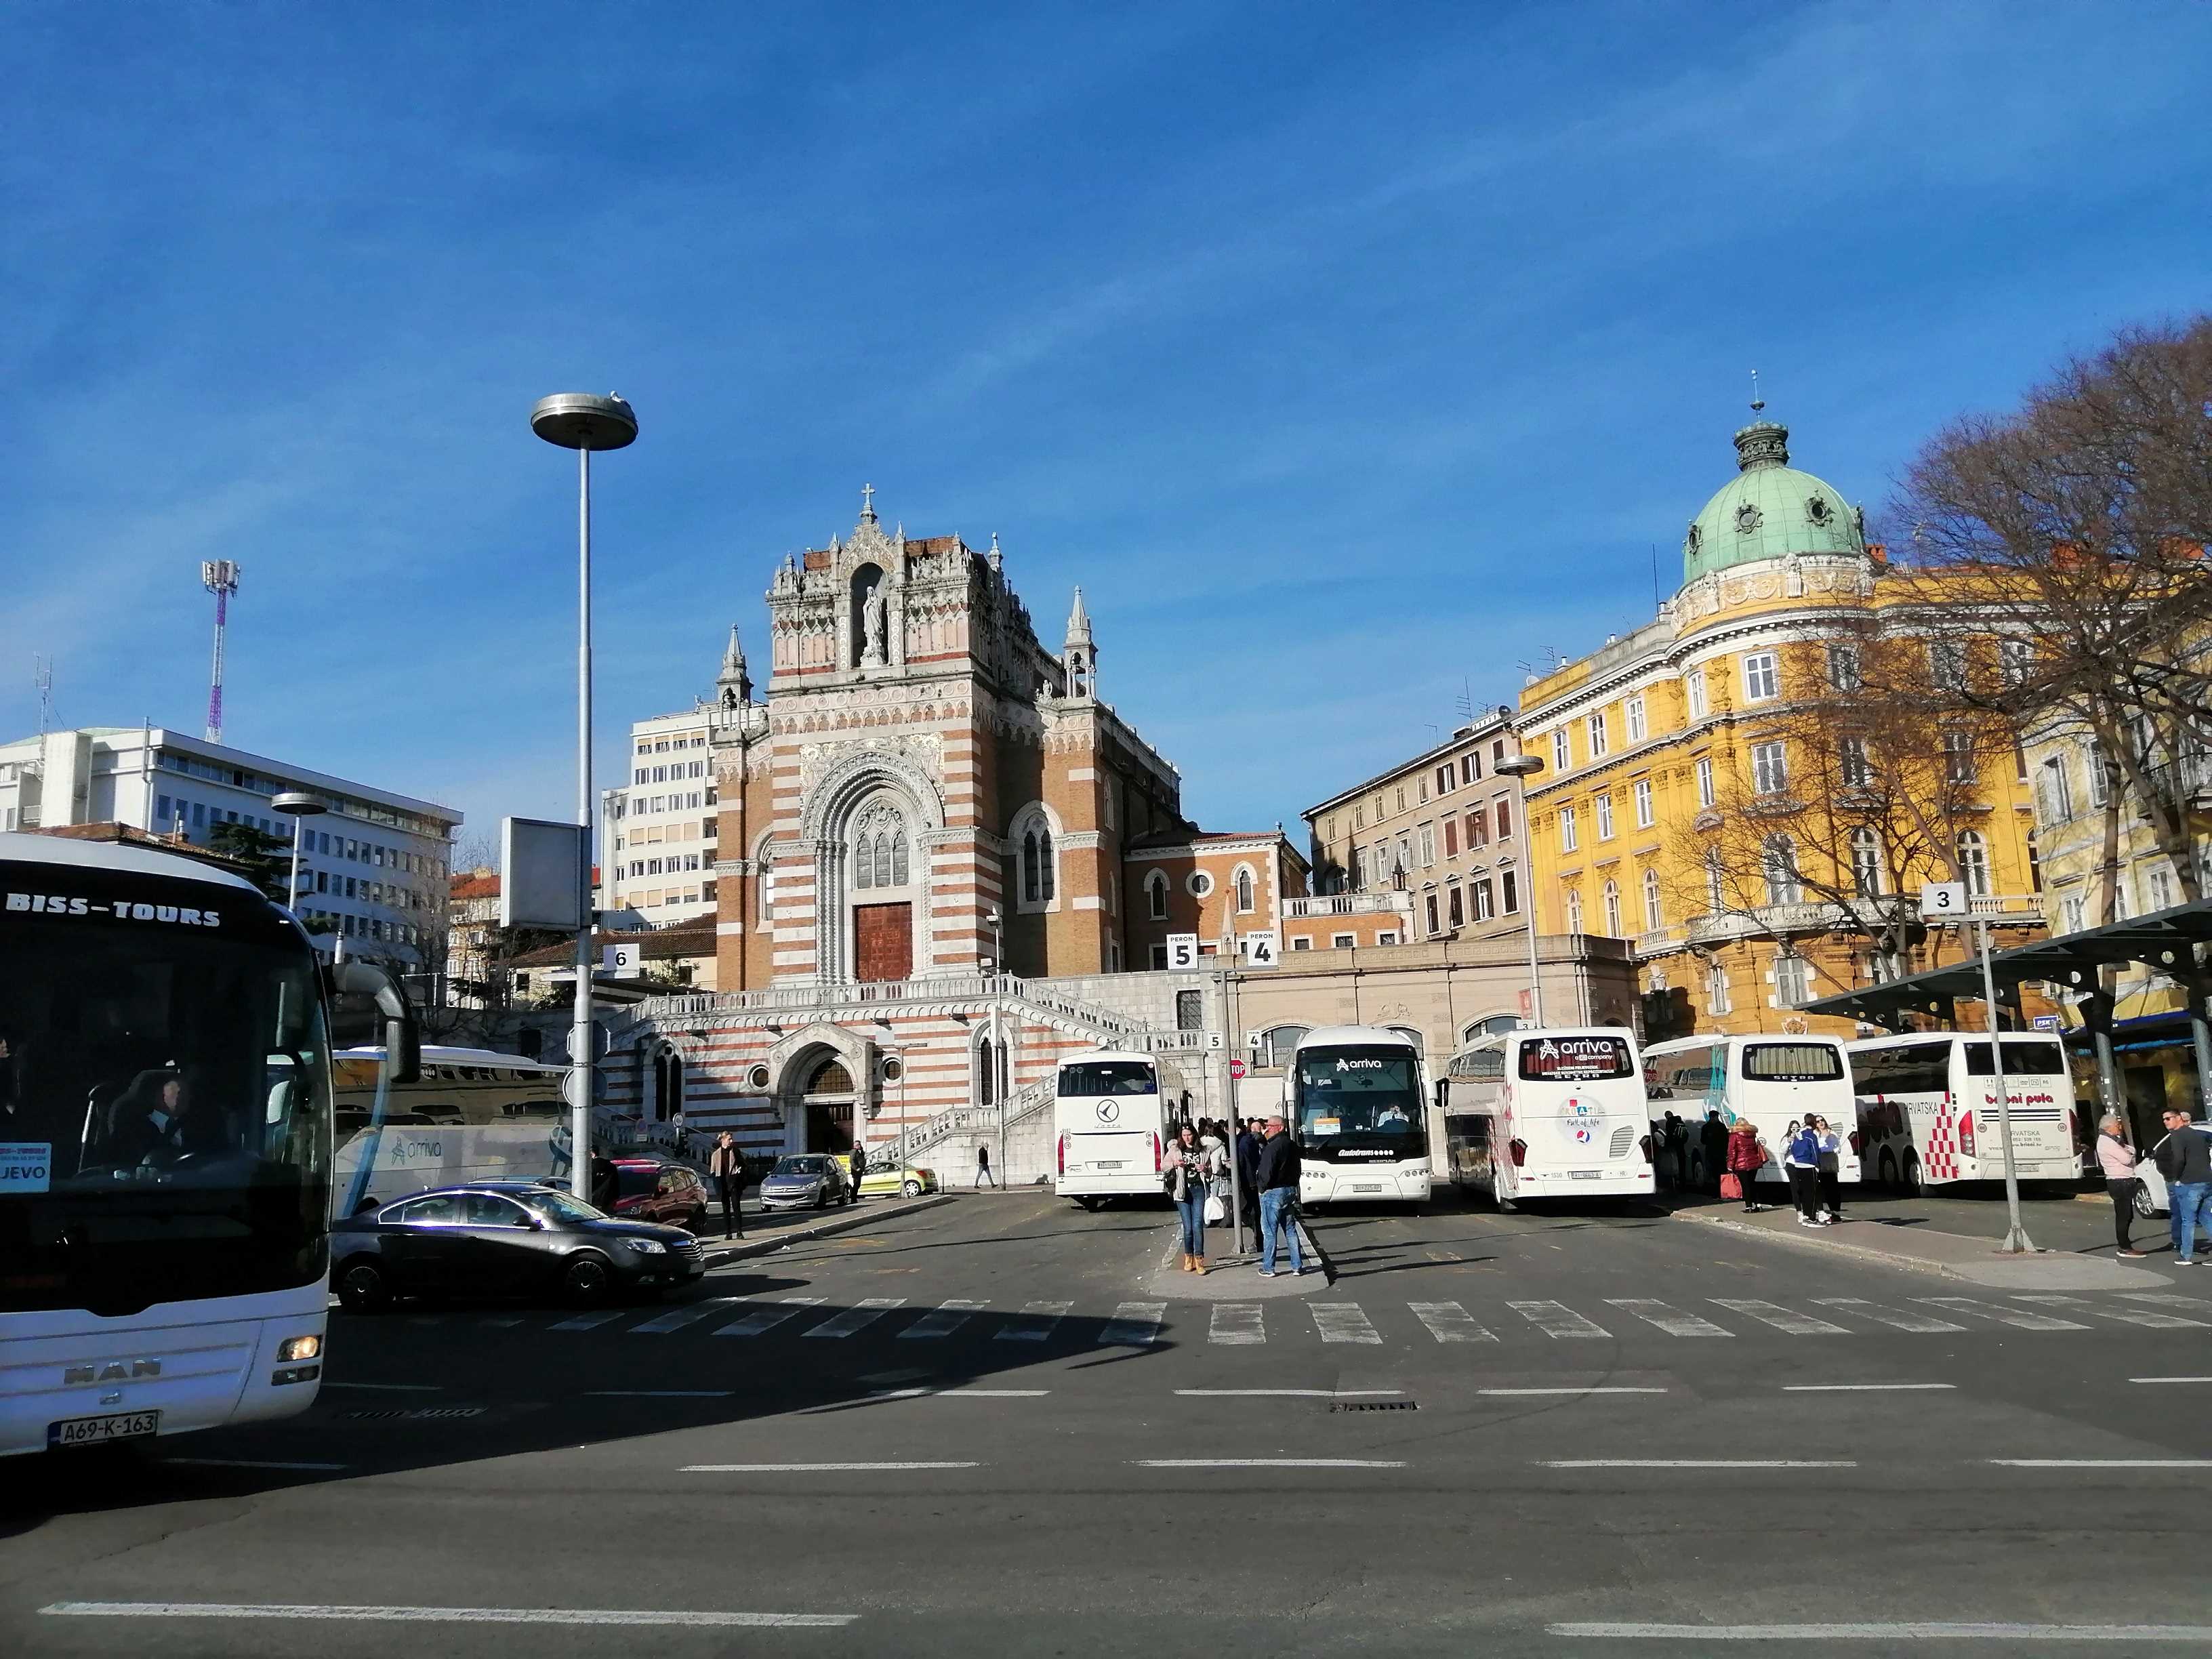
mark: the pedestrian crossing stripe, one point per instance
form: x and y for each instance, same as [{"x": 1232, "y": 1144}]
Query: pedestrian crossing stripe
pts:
[
  {"x": 1035, "y": 1322},
  {"x": 1672, "y": 1321},
  {"x": 943, "y": 1320}
]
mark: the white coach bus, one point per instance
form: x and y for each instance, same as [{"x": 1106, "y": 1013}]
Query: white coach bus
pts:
[
  {"x": 1353, "y": 1097},
  {"x": 1928, "y": 1109},
  {"x": 1773, "y": 1081},
  {"x": 1551, "y": 1113},
  {"x": 1110, "y": 1124},
  {"x": 471, "y": 1115}
]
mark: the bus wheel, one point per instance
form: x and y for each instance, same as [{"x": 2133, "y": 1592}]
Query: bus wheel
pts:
[
  {"x": 1912, "y": 1185},
  {"x": 361, "y": 1288},
  {"x": 1887, "y": 1168}
]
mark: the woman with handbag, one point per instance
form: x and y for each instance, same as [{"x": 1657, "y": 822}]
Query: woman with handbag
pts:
[
  {"x": 1187, "y": 1171},
  {"x": 1746, "y": 1157}
]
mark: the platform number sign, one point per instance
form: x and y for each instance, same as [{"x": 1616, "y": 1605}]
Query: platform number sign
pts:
[
  {"x": 1182, "y": 952},
  {"x": 1943, "y": 901},
  {"x": 1261, "y": 949}
]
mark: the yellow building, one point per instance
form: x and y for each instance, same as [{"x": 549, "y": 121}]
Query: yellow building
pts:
[{"x": 1724, "y": 787}]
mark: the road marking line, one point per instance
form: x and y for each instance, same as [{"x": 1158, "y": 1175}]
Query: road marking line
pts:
[
  {"x": 1510, "y": 1393},
  {"x": 247, "y": 1463},
  {"x": 1035, "y": 1322},
  {"x": 960, "y": 1394},
  {"x": 1134, "y": 1325},
  {"x": 506, "y": 1319},
  {"x": 390, "y": 1387},
  {"x": 2020, "y": 1318},
  {"x": 677, "y": 1318},
  {"x": 1270, "y": 1463},
  {"x": 1895, "y": 1318},
  {"x": 818, "y": 1469},
  {"x": 1672, "y": 1321},
  {"x": 658, "y": 1394},
  {"x": 1448, "y": 1322},
  {"x": 2164, "y": 1299},
  {"x": 2170, "y": 1379},
  {"x": 439, "y": 1615},
  {"x": 860, "y": 1315},
  {"x": 1556, "y": 1319},
  {"x": 586, "y": 1321},
  {"x": 767, "y": 1319},
  {"x": 942, "y": 1321},
  {"x": 1768, "y": 1313},
  {"x": 1860, "y": 1388},
  {"x": 1922, "y": 1630},
  {"x": 1343, "y": 1321},
  {"x": 2146, "y": 1317},
  {"x": 2101, "y": 1462},
  {"x": 1236, "y": 1324},
  {"x": 1696, "y": 1463},
  {"x": 1290, "y": 1394}
]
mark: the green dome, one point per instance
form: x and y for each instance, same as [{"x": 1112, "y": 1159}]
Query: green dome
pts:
[{"x": 1768, "y": 509}]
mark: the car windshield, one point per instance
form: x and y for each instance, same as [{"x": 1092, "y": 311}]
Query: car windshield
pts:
[
  {"x": 165, "y": 1070},
  {"x": 559, "y": 1206},
  {"x": 801, "y": 1166}
]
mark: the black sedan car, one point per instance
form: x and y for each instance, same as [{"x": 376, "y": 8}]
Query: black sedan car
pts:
[{"x": 503, "y": 1238}]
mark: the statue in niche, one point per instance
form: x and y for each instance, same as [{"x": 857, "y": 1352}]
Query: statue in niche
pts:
[{"x": 875, "y": 614}]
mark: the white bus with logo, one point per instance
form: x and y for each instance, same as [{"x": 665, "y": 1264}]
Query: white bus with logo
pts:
[
  {"x": 1111, "y": 1126},
  {"x": 1927, "y": 1109},
  {"x": 1551, "y": 1113},
  {"x": 1355, "y": 1099},
  {"x": 1773, "y": 1081}
]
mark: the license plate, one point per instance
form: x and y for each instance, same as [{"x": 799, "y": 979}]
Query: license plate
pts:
[
  {"x": 99, "y": 1431},
  {"x": 1361, "y": 1187},
  {"x": 1114, "y": 1164},
  {"x": 1585, "y": 1174}
]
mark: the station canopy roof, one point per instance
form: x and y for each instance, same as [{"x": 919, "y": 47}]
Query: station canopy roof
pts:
[{"x": 2165, "y": 941}]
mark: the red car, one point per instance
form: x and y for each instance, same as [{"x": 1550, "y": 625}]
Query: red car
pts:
[{"x": 653, "y": 1190}]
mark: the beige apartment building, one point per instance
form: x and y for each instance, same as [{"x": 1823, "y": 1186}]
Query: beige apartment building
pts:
[
  {"x": 659, "y": 834},
  {"x": 1434, "y": 848}
]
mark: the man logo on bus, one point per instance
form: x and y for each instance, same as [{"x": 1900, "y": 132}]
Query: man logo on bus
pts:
[
  {"x": 1579, "y": 1118},
  {"x": 1108, "y": 1110}
]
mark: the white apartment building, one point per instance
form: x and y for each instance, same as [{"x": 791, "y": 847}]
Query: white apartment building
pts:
[
  {"x": 658, "y": 831},
  {"x": 373, "y": 866}
]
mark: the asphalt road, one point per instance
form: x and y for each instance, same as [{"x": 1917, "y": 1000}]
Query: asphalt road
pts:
[{"x": 1547, "y": 1434}]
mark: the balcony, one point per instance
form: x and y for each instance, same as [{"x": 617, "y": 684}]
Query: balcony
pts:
[
  {"x": 1348, "y": 905},
  {"x": 1766, "y": 921}
]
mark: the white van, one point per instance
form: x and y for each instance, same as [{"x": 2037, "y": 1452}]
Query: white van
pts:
[
  {"x": 1773, "y": 1081},
  {"x": 1555, "y": 1114}
]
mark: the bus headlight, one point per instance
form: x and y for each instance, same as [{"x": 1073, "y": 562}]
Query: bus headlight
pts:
[{"x": 296, "y": 1348}]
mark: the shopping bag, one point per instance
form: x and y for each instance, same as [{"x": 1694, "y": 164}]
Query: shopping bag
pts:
[
  {"x": 1216, "y": 1211},
  {"x": 1731, "y": 1187}
]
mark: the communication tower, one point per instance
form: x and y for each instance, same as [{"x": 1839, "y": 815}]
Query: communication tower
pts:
[{"x": 219, "y": 578}]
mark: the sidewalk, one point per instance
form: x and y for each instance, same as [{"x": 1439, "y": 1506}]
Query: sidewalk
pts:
[
  {"x": 1954, "y": 1255},
  {"x": 767, "y": 1233},
  {"x": 1233, "y": 1277}
]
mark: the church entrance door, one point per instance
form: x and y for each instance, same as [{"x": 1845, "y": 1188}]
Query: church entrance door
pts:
[
  {"x": 830, "y": 1097},
  {"x": 882, "y": 941}
]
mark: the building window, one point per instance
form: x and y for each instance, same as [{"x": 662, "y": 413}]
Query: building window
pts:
[
  {"x": 1792, "y": 980},
  {"x": 1562, "y": 759},
  {"x": 1655, "y": 912},
  {"x": 1761, "y": 680},
  {"x": 1605, "y": 818},
  {"x": 1504, "y": 818},
  {"x": 1693, "y": 688},
  {"x": 1642, "y": 792},
  {"x": 1509, "y": 893},
  {"x": 1401, "y": 798},
  {"x": 1570, "y": 836},
  {"x": 1428, "y": 845},
  {"x": 1244, "y": 893},
  {"x": 2158, "y": 882},
  {"x": 1478, "y": 828},
  {"x": 1444, "y": 779},
  {"x": 1844, "y": 668},
  {"x": 2056, "y": 794},
  {"x": 1160, "y": 956},
  {"x": 1866, "y": 863},
  {"x": 1455, "y": 911},
  {"x": 1486, "y": 906},
  {"x": 1156, "y": 895},
  {"x": 1199, "y": 884},
  {"x": 1611, "y": 901},
  {"x": 2016, "y": 661},
  {"x": 1778, "y": 863},
  {"x": 1705, "y": 796},
  {"x": 1717, "y": 990},
  {"x": 2100, "y": 774},
  {"x": 1470, "y": 767},
  {"x": 1344, "y": 941},
  {"x": 1852, "y": 769},
  {"x": 1633, "y": 710},
  {"x": 1947, "y": 661},
  {"x": 1451, "y": 838},
  {"x": 1770, "y": 768},
  {"x": 1574, "y": 909},
  {"x": 1974, "y": 863},
  {"x": 1298, "y": 942},
  {"x": 1038, "y": 865},
  {"x": 1958, "y": 757},
  {"x": 1430, "y": 906},
  {"x": 1594, "y": 729}
]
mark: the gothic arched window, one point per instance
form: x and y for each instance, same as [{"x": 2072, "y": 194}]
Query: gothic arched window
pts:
[
  {"x": 879, "y": 845},
  {"x": 1244, "y": 905}
]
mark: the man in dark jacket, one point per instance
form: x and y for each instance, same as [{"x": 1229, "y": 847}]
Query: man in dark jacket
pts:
[
  {"x": 1247, "y": 1173},
  {"x": 1714, "y": 1135},
  {"x": 1277, "y": 1179},
  {"x": 2184, "y": 1158}
]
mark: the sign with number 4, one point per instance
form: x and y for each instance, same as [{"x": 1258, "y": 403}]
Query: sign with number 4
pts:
[
  {"x": 1943, "y": 901},
  {"x": 1262, "y": 950}
]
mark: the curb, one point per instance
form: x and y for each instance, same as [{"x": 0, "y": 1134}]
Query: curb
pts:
[
  {"x": 1824, "y": 1246},
  {"x": 770, "y": 1244}
]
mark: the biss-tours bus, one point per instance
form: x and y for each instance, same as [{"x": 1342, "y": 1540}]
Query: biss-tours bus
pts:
[
  {"x": 1111, "y": 1126},
  {"x": 1544, "y": 1113},
  {"x": 165, "y": 1144},
  {"x": 1354, "y": 1096}
]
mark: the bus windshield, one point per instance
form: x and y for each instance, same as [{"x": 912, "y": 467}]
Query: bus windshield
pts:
[
  {"x": 1792, "y": 1062},
  {"x": 1358, "y": 1095},
  {"x": 1574, "y": 1058},
  {"x": 2022, "y": 1058},
  {"x": 164, "y": 1097},
  {"x": 1108, "y": 1076}
]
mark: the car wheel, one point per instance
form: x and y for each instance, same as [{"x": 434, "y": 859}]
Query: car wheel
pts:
[
  {"x": 2144, "y": 1207},
  {"x": 1887, "y": 1168},
  {"x": 1912, "y": 1187},
  {"x": 587, "y": 1280},
  {"x": 363, "y": 1288},
  {"x": 912, "y": 1188}
]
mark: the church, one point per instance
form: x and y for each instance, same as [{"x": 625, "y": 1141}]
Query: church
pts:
[{"x": 941, "y": 861}]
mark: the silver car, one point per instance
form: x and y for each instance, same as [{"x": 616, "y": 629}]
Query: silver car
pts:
[{"x": 806, "y": 1181}]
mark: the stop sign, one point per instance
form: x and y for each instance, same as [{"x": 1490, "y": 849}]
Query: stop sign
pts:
[{"x": 1237, "y": 1068}]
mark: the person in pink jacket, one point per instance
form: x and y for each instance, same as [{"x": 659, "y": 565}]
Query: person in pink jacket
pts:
[{"x": 2117, "y": 1160}]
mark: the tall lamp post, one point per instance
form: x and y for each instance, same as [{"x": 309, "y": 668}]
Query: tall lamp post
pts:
[
  {"x": 996, "y": 924},
  {"x": 298, "y": 805},
  {"x": 1527, "y": 766},
  {"x": 583, "y": 422}
]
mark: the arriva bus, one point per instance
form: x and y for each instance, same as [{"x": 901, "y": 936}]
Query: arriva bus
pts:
[
  {"x": 1774, "y": 1081},
  {"x": 1550, "y": 1114},
  {"x": 164, "y": 1145},
  {"x": 1110, "y": 1118},
  {"x": 1928, "y": 1109},
  {"x": 471, "y": 1115},
  {"x": 1354, "y": 1097}
]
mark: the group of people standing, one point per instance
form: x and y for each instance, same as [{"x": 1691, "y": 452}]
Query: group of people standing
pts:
[
  {"x": 1812, "y": 1162},
  {"x": 2183, "y": 1158},
  {"x": 1196, "y": 1171}
]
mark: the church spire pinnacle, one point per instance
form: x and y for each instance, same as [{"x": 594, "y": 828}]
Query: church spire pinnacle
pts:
[
  {"x": 1078, "y": 623},
  {"x": 734, "y": 685},
  {"x": 868, "y": 503}
]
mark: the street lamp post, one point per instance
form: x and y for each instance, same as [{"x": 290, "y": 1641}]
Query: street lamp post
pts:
[
  {"x": 1527, "y": 766},
  {"x": 583, "y": 422},
  {"x": 996, "y": 924},
  {"x": 298, "y": 805}
]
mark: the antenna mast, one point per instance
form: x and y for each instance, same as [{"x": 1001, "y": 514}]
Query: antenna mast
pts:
[
  {"x": 219, "y": 578},
  {"x": 42, "y": 681}
]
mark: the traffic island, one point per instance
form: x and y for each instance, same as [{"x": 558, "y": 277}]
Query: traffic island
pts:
[
  {"x": 1233, "y": 1277},
  {"x": 1925, "y": 1249}
]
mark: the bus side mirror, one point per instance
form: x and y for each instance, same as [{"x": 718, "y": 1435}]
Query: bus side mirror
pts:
[
  {"x": 403, "y": 1036},
  {"x": 1443, "y": 1092}
]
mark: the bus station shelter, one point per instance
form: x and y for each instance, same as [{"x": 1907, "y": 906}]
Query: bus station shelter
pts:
[{"x": 2166, "y": 942}]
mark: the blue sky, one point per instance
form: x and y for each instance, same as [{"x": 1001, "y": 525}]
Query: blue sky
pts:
[{"x": 1348, "y": 356}]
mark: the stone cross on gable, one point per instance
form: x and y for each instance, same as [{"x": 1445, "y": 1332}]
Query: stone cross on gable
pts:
[{"x": 868, "y": 502}]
